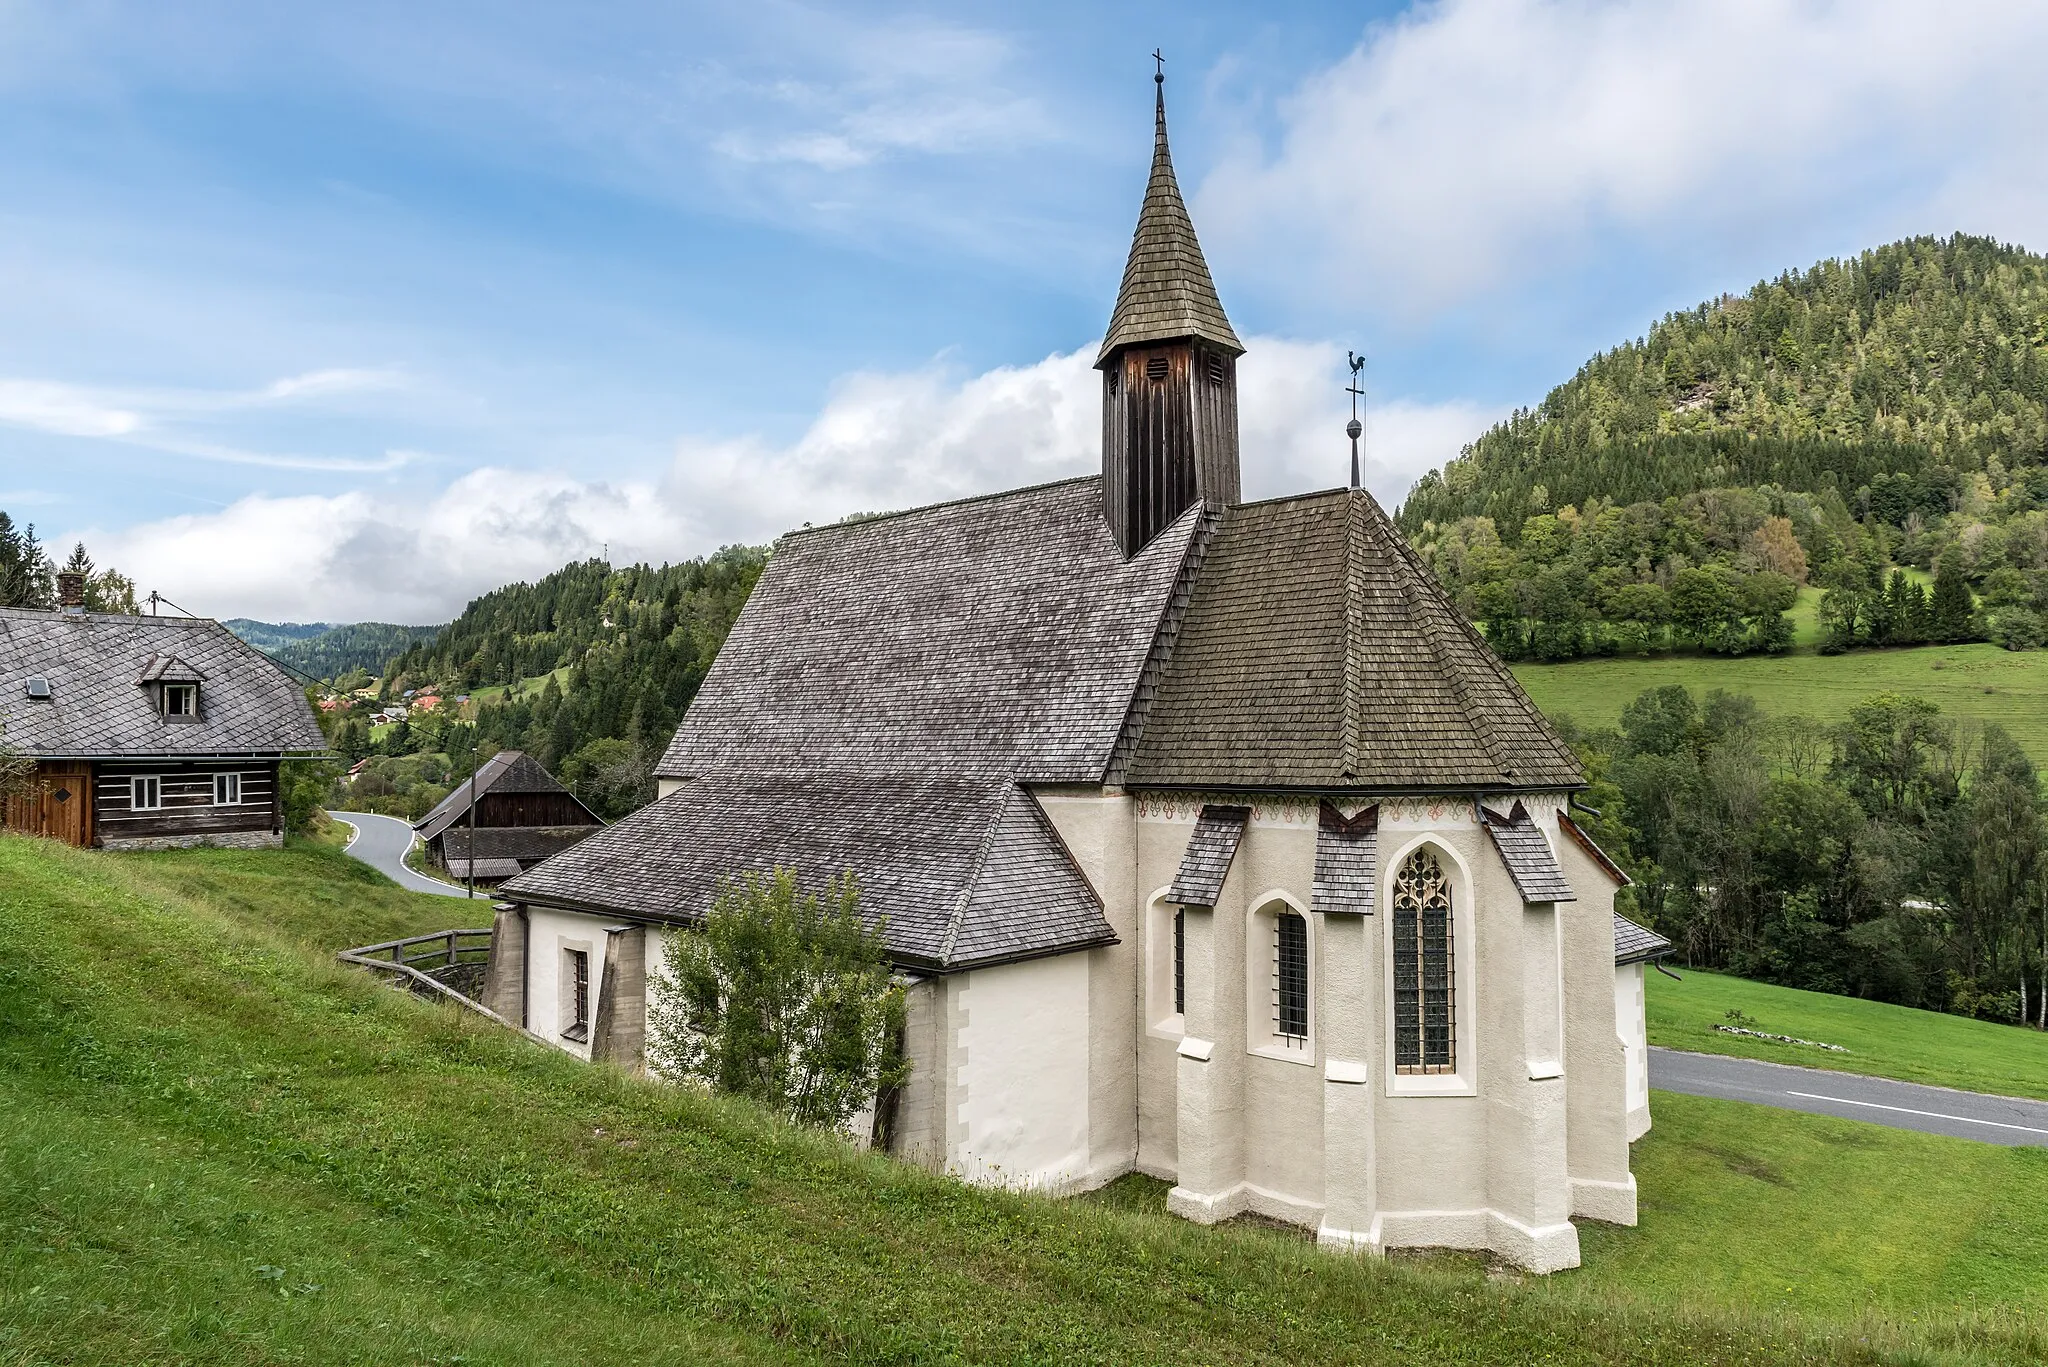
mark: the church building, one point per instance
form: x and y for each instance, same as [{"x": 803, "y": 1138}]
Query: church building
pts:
[{"x": 1215, "y": 844}]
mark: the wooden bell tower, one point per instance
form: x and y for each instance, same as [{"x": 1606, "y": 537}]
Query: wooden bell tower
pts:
[{"x": 1169, "y": 371}]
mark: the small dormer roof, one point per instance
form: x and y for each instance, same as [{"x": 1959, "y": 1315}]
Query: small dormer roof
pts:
[{"x": 169, "y": 669}]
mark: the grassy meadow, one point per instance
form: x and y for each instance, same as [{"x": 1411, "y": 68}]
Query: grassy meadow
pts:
[
  {"x": 1983, "y": 682},
  {"x": 219, "y": 1146},
  {"x": 1883, "y": 1040}
]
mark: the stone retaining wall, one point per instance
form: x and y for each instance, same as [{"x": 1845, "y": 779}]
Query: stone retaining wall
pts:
[{"x": 231, "y": 840}]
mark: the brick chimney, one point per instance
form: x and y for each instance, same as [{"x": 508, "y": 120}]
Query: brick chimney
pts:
[{"x": 71, "y": 591}]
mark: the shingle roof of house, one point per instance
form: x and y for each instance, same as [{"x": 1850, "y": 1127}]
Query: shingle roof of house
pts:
[
  {"x": 485, "y": 868},
  {"x": 1317, "y": 652},
  {"x": 962, "y": 869},
  {"x": 1530, "y": 860},
  {"x": 1167, "y": 292},
  {"x": 1347, "y": 862},
  {"x": 508, "y": 771},
  {"x": 97, "y": 665},
  {"x": 1001, "y": 635},
  {"x": 1633, "y": 942},
  {"x": 1206, "y": 861}
]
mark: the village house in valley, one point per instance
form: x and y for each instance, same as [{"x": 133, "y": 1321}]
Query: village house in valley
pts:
[
  {"x": 520, "y": 815},
  {"x": 1215, "y": 843},
  {"x": 147, "y": 732}
]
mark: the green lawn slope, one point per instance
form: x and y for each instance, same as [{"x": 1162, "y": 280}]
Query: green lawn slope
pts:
[
  {"x": 219, "y": 1146},
  {"x": 1883, "y": 1040},
  {"x": 1983, "y": 682}
]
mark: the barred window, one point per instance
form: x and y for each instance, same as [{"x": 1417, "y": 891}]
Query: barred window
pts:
[
  {"x": 576, "y": 993},
  {"x": 1180, "y": 963},
  {"x": 1290, "y": 978},
  {"x": 1424, "y": 1037}
]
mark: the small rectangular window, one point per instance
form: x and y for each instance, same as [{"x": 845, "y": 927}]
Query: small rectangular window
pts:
[
  {"x": 181, "y": 700},
  {"x": 1155, "y": 367},
  {"x": 1290, "y": 973},
  {"x": 1219, "y": 370},
  {"x": 576, "y": 993},
  {"x": 145, "y": 794},
  {"x": 1180, "y": 963},
  {"x": 227, "y": 790}
]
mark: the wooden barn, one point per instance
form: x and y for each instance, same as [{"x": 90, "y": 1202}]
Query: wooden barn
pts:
[
  {"x": 521, "y": 816},
  {"x": 146, "y": 732}
]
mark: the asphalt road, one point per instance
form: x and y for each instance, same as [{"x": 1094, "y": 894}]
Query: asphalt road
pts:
[
  {"x": 381, "y": 842},
  {"x": 1902, "y": 1105}
]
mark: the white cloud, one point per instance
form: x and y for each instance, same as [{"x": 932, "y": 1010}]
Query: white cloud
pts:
[
  {"x": 1473, "y": 140},
  {"x": 164, "y": 419},
  {"x": 882, "y": 442}
]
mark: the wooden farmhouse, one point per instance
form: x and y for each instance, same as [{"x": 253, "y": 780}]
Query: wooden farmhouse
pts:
[
  {"x": 1214, "y": 843},
  {"x": 521, "y": 816},
  {"x": 147, "y": 732}
]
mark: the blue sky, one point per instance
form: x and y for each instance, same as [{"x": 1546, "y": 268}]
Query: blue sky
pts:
[{"x": 326, "y": 314}]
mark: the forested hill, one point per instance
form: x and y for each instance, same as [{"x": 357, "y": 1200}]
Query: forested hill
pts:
[
  {"x": 1880, "y": 412},
  {"x": 623, "y": 650},
  {"x": 326, "y": 651}
]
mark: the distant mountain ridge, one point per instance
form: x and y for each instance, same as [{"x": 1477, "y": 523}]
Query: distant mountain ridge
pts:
[{"x": 328, "y": 650}]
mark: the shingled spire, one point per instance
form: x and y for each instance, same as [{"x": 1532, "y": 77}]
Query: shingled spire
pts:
[{"x": 1169, "y": 370}]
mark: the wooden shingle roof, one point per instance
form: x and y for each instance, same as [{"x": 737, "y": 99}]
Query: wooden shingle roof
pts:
[
  {"x": 1528, "y": 856},
  {"x": 960, "y": 870},
  {"x": 1166, "y": 292},
  {"x": 1206, "y": 861},
  {"x": 1316, "y": 652},
  {"x": 1634, "y": 943},
  {"x": 99, "y": 667}
]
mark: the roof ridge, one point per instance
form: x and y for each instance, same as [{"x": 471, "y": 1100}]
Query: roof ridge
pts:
[
  {"x": 894, "y": 515},
  {"x": 1208, "y": 522},
  {"x": 958, "y": 919},
  {"x": 1416, "y": 586},
  {"x": 1354, "y": 633}
]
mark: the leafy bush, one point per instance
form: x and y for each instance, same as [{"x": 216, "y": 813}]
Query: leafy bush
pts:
[{"x": 781, "y": 996}]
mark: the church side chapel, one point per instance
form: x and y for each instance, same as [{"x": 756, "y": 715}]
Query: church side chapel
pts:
[{"x": 1216, "y": 844}]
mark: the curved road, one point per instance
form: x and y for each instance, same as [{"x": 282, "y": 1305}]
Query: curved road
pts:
[
  {"x": 381, "y": 842},
  {"x": 1853, "y": 1096}
]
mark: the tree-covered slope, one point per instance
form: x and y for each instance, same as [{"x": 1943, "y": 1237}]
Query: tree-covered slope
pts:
[
  {"x": 1832, "y": 424},
  {"x": 327, "y": 651}
]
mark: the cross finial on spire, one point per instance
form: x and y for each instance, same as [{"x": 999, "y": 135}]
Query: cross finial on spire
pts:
[
  {"x": 1159, "y": 76},
  {"x": 1355, "y": 429}
]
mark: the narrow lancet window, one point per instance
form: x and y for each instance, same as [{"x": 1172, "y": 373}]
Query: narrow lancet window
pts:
[
  {"x": 1424, "y": 1020},
  {"x": 1290, "y": 977},
  {"x": 1180, "y": 963}
]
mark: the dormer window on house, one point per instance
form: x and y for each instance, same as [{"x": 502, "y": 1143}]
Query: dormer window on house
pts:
[
  {"x": 181, "y": 702},
  {"x": 174, "y": 686}
]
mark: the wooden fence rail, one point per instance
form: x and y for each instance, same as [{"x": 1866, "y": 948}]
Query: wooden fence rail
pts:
[{"x": 413, "y": 961}]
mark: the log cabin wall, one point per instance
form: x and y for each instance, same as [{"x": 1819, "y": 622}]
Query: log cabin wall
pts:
[
  {"x": 187, "y": 794},
  {"x": 528, "y": 809}
]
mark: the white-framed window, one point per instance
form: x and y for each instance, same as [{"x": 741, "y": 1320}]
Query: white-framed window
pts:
[
  {"x": 181, "y": 700},
  {"x": 576, "y": 994},
  {"x": 1279, "y": 981},
  {"x": 227, "y": 790},
  {"x": 145, "y": 792},
  {"x": 1425, "y": 980}
]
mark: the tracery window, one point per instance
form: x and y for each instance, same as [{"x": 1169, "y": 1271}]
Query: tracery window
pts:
[
  {"x": 1290, "y": 978},
  {"x": 1424, "y": 1008}
]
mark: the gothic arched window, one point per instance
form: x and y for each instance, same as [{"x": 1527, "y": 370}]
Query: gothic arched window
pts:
[
  {"x": 1424, "y": 1033},
  {"x": 1290, "y": 978}
]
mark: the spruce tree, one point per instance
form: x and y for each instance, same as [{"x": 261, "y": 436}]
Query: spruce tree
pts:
[{"x": 1952, "y": 605}]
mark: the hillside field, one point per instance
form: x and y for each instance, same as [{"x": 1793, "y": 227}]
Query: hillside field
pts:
[
  {"x": 219, "y": 1146},
  {"x": 1983, "y": 682},
  {"x": 1883, "y": 1040}
]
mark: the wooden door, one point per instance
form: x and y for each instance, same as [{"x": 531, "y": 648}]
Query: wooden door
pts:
[{"x": 57, "y": 803}]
